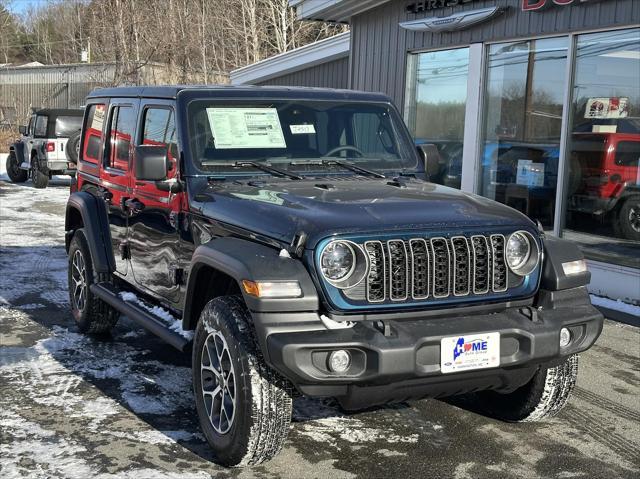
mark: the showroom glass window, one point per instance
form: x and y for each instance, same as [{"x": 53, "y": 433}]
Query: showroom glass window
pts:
[
  {"x": 436, "y": 109},
  {"x": 603, "y": 154},
  {"x": 522, "y": 125}
]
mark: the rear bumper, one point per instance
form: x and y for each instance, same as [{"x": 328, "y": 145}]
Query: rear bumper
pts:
[{"x": 402, "y": 360}]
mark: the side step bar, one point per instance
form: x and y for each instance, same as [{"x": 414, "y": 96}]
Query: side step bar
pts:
[{"x": 109, "y": 295}]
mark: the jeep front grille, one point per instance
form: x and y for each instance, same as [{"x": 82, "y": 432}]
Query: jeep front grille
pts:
[{"x": 421, "y": 268}]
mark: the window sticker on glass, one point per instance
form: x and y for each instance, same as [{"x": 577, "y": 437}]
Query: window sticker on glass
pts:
[
  {"x": 302, "y": 129},
  {"x": 245, "y": 128},
  {"x": 98, "y": 118}
]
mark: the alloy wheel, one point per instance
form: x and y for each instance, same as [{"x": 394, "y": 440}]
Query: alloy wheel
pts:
[
  {"x": 79, "y": 279},
  {"x": 634, "y": 217},
  {"x": 218, "y": 382}
]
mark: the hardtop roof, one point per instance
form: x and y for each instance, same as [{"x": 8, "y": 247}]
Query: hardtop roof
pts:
[
  {"x": 59, "y": 111},
  {"x": 171, "y": 92}
]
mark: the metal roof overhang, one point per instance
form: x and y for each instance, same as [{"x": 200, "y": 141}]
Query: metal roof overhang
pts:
[{"x": 339, "y": 11}]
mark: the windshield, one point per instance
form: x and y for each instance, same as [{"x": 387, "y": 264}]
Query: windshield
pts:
[{"x": 297, "y": 136}]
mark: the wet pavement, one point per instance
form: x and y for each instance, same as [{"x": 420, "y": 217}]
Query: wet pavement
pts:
[{"x": 79, "y": 407}]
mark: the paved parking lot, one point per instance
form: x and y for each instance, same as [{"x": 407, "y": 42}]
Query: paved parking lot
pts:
[{"x": 72, "y": 406}]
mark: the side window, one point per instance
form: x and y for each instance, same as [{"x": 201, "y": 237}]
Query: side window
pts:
[
  {"x": 121, "y": 128},
  {"x": 160, "y": 129},
  {"x": 40, "y": 128},
  {"x": 628, "y": 153},
  {"x": 93, "y": 138},
  {"x": 32, "y": 121}
]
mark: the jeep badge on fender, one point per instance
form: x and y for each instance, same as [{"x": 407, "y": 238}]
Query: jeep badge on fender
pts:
[{"x": 291, "y": 240}]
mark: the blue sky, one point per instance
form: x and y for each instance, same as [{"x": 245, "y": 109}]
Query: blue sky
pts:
[{"x": 21, "y": 6}]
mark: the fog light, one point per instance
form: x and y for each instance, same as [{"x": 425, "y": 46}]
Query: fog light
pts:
[
  {"x": 565, "y": 337},
  {"x": 339, "y": 361}
]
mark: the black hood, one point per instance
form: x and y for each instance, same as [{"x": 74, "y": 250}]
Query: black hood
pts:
[{"x": 321, "y": 207}]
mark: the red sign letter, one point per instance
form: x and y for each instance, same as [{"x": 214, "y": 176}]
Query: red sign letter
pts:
[{"x": 532, "y": 4}]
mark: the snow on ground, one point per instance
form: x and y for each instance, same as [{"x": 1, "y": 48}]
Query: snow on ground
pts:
[{"x": 616, "y": 305}]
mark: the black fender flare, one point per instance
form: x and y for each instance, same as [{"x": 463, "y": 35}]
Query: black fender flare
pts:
[
  {"x": 556, "y": 252},
  {"x": 18, "y": 149},
  {"x": 247, "y": 260},
  {"x": 96, "y": 229}
]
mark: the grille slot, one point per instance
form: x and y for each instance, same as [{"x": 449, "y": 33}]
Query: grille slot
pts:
[
  {"x": 422, "y": 268},
  {"x": 441, "y": 266},
  {"x": 398, "y": 270},
  {"x": 461, "y": 266},
  {"x": 419, "y": 268},
  {"x": 499, "y": 266},
  {"x": 376, "y": 279},
  {"x": 481, "y": 264}
]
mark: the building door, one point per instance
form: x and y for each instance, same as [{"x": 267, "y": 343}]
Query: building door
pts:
[
  {"x": 435, "y": 109},
  {"x": 523, "y": 103}
]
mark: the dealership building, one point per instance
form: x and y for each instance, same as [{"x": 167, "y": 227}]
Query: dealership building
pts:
[{"x": 532, "y": 103}]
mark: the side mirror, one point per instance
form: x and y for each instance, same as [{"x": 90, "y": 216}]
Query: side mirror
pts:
[
  {"x": 431, "y": 159},
  {"x": 23, "y": 130},
  {"x": 151, "y": 162}
]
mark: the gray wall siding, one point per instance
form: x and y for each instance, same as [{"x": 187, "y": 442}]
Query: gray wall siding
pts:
[
  {"x": 334, "y": 74},
  {"x": 379, "y": 46}
]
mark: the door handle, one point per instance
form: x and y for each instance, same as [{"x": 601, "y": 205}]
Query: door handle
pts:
[{"x": 133, "y": 205}]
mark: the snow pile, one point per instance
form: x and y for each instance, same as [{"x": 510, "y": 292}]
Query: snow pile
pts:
[
  {"x": 616, "y": 305},
  {"x": 172, "y": 322}
]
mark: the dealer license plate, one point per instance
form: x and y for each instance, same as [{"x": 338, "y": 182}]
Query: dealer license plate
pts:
[{"x": 469, "y": 351}]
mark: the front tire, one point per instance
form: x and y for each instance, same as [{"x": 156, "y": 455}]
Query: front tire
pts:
[
  {"x": 91, "y": 314},
  {"x": 39, "y": 179},
  {"x": 14, "y": 172},
  {"x": 544, "y": 396},
  {"x": 244, "y": 407}
]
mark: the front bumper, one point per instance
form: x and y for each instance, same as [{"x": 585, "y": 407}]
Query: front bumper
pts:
[{"x": 400, "y": 359}]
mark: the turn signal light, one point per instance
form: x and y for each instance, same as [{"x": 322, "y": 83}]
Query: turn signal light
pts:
[
  {"x": 574, "y": 267},
  {"x": 262, "y": 289}
]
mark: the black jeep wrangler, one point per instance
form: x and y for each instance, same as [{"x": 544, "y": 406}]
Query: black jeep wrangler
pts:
[{"x": 291, "y": 240}]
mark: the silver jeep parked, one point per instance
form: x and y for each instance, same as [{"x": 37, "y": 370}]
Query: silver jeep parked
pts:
[{"x": 48, "y": 146}]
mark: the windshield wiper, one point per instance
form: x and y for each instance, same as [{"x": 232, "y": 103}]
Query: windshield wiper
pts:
[
  {"x": 343, "y": 164},
  {"x": 266, "y": 168}
]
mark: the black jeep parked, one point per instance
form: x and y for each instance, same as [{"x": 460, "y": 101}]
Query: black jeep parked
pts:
[
  {"x": 48, "y": 146},
  {"x": 290, "y": 238}
]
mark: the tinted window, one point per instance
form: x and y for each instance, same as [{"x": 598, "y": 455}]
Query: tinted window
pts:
[
  {"x": 68, "y": 125},
  {"x": 160, "y": 129},
  {"x": 628, "y": 153},
  {"x": 92, "y": 143},
  {"x": 40, "y": 127},
  {"x": 121, "y": 130}
]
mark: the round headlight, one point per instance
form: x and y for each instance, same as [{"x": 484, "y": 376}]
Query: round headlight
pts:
[
  {"x": 518, "y": 250},
  {"x": 338, "y": 260},
  {"x": 521, "y": 253}
]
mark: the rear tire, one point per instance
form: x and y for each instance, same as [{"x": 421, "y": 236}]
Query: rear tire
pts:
[
  {"x": 91, "y": 314},
  {"x": 39, "y": 179},
  {"x": 245, "y": 416},
  {"x": 544, "y": 396},
  {"x": 14, "y": 172},
  {"x": 628, "y": 219}
]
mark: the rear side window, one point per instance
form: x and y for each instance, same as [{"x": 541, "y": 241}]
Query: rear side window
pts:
[
  {"x": 40, "y": 127},
  {"x": 121, "y": 130},
  {"x": 67, "y": 125},
  {"x": 93, "y": 138},
  {"x": 628, "y": 153}
]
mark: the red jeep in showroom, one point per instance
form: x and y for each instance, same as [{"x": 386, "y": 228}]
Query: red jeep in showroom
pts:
[{"x": 605, "y": 180}]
